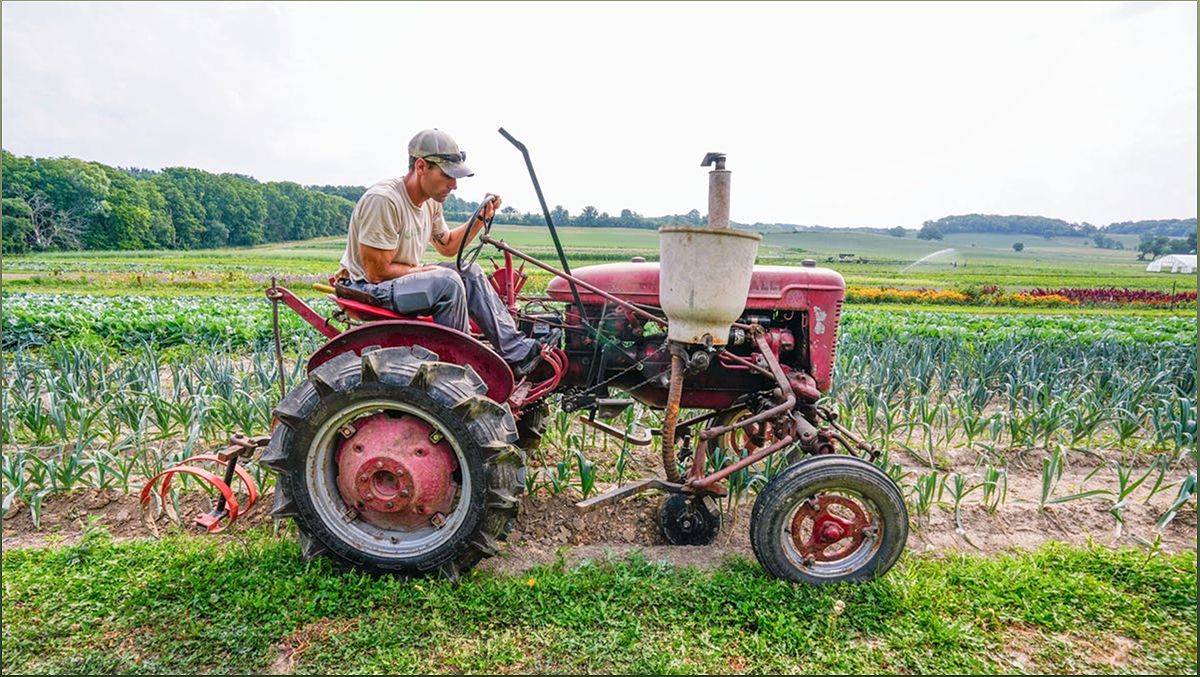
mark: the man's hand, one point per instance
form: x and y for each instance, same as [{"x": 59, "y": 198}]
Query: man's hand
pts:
[
  {"x": 448, "y": 246},
  {"x": 491, "y": 203}
]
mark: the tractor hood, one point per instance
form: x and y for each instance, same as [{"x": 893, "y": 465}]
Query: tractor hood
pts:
[{"x": 771, "y": 287}]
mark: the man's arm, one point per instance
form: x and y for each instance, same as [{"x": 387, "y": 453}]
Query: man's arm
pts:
[
  {"x": 379, "y": 266},
  {"x": 447, "y": 243}
]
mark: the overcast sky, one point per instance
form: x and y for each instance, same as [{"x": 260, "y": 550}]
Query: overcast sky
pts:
[{"x": 841, "y": 114}]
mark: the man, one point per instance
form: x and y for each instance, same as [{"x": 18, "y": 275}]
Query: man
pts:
[{"x": 389, "y": 230}]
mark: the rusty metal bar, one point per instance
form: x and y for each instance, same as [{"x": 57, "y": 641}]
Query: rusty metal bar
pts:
[
  {"x": 726, "y": 355},
  {"x": 672, "y": 418},
  {"x": 706, "y": 435},
  {"x": 844, "y": 434},
  {"x": 303, "y": 310},
  {"x": 619, "y": 434},
  {"x": 709, "y": 480},
  {"x": 784, "y": 386},
  {"x": 631, "y": 489},
  {"x": 704, "y": 417}
]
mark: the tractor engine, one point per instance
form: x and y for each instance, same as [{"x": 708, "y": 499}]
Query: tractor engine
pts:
[{"x": 797, "y": 307}]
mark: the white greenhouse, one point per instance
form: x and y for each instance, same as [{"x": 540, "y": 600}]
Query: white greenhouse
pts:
[{"x": 1173, "y": 263}]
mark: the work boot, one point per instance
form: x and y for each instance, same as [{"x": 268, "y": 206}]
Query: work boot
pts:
[{"x": 531, "y": 362}]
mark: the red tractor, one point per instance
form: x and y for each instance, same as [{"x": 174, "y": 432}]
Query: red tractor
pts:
[{"x": 404, "y": 450}]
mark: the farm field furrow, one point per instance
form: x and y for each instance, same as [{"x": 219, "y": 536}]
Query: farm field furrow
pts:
[{"x": 964, "y": 404}]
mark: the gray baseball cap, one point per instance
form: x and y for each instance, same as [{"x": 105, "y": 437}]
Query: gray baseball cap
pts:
[{"x": 436, "y": 146}]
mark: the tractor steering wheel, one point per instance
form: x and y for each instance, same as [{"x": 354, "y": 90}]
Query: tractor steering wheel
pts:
[{"x": 466, "y": 257}]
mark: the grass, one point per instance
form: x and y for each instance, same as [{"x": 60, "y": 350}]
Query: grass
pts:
[
  {"x": 975, "y": 259},
  {"x": 189, "y": 604}
]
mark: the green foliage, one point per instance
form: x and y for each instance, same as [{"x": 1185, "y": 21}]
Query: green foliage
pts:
[
  {"x": 1168, "y": 227},
  {"x": 1105, "y": 242},
  {"x": 930, "y": 231},
  {"x": 991, "y": 223},
  {"x": 69, "y": 204},
  {"x": 17, "y": 226},
  {"x": 1154, "y": 246},
  {"x": 194, "y": 605},
  {"x": 351, "y": 193}
]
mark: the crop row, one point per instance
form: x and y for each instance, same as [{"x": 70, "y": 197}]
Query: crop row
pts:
[
  {"x": 40, "y": 319},
  {"x": 1112, "y": 296},
  {"x": 83, "y": 412},
  {"x": 1035, "y": 298},
  {"x": 77, "y": 416}
]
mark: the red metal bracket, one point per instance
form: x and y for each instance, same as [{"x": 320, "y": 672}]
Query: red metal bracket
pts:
[
  {"x": 227, "y": 504},
  {"x": 303, "y": 310}
]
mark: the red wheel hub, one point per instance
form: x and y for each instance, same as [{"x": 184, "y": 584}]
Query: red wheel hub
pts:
[
  {"x": 397, "y": 472},
  {"x": 829, "y": 536}
]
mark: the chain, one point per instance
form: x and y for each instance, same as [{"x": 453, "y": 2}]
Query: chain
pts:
[{"x": 636, "y": 366}]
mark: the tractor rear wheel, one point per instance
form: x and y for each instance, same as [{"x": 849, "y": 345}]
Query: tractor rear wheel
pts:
[
  {"x": 396, "y": 463},
  {"x": 829, "y": 519},
  {"x": 531, "y": 427}
]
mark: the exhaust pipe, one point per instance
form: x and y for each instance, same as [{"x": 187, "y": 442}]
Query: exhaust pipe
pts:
[{"x": 718, "y": 190}]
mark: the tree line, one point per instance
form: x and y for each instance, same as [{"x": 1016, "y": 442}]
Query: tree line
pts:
[
  {"x": 1048, "y": 227},
  {"x": 1169, "y": 236},
  {"x": 65, "y": 203}
]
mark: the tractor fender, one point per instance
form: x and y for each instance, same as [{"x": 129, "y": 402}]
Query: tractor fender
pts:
[{"x": 450, "y": 345}]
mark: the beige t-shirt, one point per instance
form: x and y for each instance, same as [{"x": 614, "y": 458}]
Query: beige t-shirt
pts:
[{"x": 386, "y": 218}]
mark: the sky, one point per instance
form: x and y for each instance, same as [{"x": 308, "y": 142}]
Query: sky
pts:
[{"x": 856, "y": 114}]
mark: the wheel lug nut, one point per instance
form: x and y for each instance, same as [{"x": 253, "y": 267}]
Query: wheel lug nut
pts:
[{"x": 390, "y": 504}]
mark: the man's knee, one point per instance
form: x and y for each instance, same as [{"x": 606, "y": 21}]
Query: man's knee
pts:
[
  {"x": 447, "y": 285},
  {"x": 473, "y": 271}
]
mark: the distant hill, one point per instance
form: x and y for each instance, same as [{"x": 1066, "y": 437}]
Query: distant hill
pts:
[
  {"x": 1168, "y": 227},
  {"x": 66, "y": 203}
]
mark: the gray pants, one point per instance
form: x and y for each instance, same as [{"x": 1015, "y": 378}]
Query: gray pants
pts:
[{"x": 451, "y": 299}]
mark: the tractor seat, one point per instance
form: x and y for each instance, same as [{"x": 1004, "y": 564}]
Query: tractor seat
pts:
[
  {"x": 362, "y": 306},
  {"x": 365, "y": 312}
]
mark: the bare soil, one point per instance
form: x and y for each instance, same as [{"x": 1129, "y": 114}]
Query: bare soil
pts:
[{"x": 550, "y": 529}]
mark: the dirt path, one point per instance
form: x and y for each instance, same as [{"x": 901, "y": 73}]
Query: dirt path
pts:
[{"x": 550, "y": 528}]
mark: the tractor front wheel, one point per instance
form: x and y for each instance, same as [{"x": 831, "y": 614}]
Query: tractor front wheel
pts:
[
  {"x": 829, "y": 519},
  {"x": 396, "y": 463}
]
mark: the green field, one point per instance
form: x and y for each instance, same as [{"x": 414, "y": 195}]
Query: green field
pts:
[
  {"x": 188, "y": 605},
  {"x": 975, "y": 258},
  {"x": 120, "y": 364}
]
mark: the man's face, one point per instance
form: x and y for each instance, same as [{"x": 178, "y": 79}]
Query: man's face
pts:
[{"x": 436, "y": 183}]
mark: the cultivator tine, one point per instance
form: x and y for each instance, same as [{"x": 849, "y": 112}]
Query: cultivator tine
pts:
[{"x": 227, "y": 505}]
